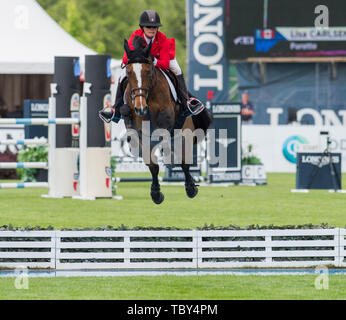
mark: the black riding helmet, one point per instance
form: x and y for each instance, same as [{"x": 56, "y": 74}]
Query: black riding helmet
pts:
[{"x": 150, "y": 18}]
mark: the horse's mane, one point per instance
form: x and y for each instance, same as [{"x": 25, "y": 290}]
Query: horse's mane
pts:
[{"x": 140, "y": 52}]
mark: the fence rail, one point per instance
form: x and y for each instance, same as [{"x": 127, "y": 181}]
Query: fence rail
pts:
[
  {"x": 172, "y": 249},
  {"x": 26, "y": 165},
  {"x": 39, "y": 121},
  {"x": 37, "y": 142},
  {"x": 22, "y": 185}
]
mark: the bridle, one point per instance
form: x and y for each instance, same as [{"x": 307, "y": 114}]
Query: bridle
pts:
[{"x": 152, "y": 84}]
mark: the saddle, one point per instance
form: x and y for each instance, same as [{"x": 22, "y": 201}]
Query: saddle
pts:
[
  {"x": 182, "y": 115},
  {"x": 172, "y": 77}
]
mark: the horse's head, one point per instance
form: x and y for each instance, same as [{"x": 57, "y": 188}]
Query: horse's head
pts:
[{"x": 139, "y": 71}]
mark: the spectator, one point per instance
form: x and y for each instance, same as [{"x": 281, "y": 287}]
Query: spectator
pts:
[{"x": 247, "y": 109}]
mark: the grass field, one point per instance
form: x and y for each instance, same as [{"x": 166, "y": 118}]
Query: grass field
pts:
[
  {"x": 272, "y": 204},
  {"x": 211, "y": 287}
]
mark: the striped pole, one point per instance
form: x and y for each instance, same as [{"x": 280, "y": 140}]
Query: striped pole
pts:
[
  {"x": 23, "y": 165},
  {"x": 38, "y": 142},
  {"x": 40, "y": 121},
  {"x": 24, "y": 185},
  {"x": 52, "y": 147}
]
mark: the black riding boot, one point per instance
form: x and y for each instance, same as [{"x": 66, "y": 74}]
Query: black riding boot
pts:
[
  {"x": 113, "y": 114},
  {"x": 122, "y": 110},
  {"x": 190, "y": 104},
  {"x": 119, "y": 101}
]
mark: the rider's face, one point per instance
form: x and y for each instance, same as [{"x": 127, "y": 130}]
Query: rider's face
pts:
[{"x": 150, "y": 32}]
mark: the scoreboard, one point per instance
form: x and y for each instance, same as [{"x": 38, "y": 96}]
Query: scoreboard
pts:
[{"x": 284, "y": 28}]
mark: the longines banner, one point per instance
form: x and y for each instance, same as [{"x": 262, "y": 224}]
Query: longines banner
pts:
[
  {"x": 277, "y": 146},
  {"x": 207, "y": 65}
]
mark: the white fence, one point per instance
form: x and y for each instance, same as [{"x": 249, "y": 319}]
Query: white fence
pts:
[
  {"x": 342, "y": 253},
  {"x": 194, "y": 249}
]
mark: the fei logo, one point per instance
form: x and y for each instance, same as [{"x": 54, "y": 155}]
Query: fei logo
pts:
[{"x": 291, "y": 146}]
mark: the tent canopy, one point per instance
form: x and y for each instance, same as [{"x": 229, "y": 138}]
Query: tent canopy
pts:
[{"x": 30, "y": 39}]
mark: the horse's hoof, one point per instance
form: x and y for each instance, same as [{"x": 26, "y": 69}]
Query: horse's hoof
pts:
[
  {"x": 157, "y": 197},
  {"x": 191, "y": 190}
]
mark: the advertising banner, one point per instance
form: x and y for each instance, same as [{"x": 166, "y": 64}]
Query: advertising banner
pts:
[
  {"x": 277, "y": 146},
  {"x": 318, "y": 171},
  {"x": 36, "y": 109},
  {"x": 208, "y": 77},
  {"x": 224, "y": 144}
]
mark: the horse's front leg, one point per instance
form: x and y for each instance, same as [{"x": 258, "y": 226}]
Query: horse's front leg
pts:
[
  {"x": 156, "y": 195},
  {"x": 190, "y": 186}
]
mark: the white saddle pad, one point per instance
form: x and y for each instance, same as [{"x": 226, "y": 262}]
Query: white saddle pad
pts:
[{"x": 171, "y": 86}]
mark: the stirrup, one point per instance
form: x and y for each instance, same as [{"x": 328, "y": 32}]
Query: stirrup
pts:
[
  {"x": 107, "y": 114},
  {"x": 195, "y": 106}
]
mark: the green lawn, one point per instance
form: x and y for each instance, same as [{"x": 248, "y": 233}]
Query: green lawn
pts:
[
  {"x": 272, "y": 204},
  {"x": 211, "y": 287}
]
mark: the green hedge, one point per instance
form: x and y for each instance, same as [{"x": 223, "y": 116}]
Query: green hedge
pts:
[{"x": 10, "y": 227}]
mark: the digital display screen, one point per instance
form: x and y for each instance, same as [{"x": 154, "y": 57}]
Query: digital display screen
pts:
[{"x": 285, "y": 28}]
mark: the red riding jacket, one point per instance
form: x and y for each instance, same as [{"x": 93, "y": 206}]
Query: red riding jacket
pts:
[{"x": 163, "y": 49}]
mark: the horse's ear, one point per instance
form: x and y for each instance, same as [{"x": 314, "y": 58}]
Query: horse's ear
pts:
[
  {"x": 148, "y": 49},
  {"x": 126, "y": 47}
]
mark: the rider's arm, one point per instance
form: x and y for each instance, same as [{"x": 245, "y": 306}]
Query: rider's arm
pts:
[{"x": 164, "y": 47}]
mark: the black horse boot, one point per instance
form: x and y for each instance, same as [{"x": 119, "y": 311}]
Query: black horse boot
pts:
[{"x": 191, "y": 105}]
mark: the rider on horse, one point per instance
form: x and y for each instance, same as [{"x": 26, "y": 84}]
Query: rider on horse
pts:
[{"x": 163, "y": 51}]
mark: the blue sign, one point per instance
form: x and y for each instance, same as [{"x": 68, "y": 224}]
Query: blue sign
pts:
[
  {"x": 35, "y": 109},
  {"x": 224, "y": 145},
  {"x": 77, "y": 69},
  {"x": 318, "y": 171},
  {"x": 208, "y": 66}
]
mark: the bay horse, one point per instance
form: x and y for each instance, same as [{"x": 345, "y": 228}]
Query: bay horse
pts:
[{"x": 148, "y": 97}]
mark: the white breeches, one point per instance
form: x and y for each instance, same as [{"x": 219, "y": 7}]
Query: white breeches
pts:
[{"x": 174, "y": 67}]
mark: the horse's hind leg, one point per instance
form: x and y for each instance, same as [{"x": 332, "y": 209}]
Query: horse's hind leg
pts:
[
  {"x": 156, "y": 195},
  {"x": 190, "y": 187}
]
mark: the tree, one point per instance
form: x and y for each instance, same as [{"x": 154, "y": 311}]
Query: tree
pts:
[{"x": 102, "y": 25}]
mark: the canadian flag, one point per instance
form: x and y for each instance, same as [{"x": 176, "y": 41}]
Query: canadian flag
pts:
[
  {"x": 75, "y": 128},
  {"x": 268, "y": 34}
]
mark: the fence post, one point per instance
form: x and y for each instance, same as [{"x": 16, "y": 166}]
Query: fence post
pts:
[
  {"x": 53, "y": 251},
  {"x": 127, "y": 251},
  {"x": 338, "y": 258},
  {"x": 268, "y": 250},
  {"x": 57, "y": 248},
  {"x": 195, "y": 247}
]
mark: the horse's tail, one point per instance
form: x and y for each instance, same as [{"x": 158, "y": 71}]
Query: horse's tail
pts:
[{"x": 203, "y": 120}]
